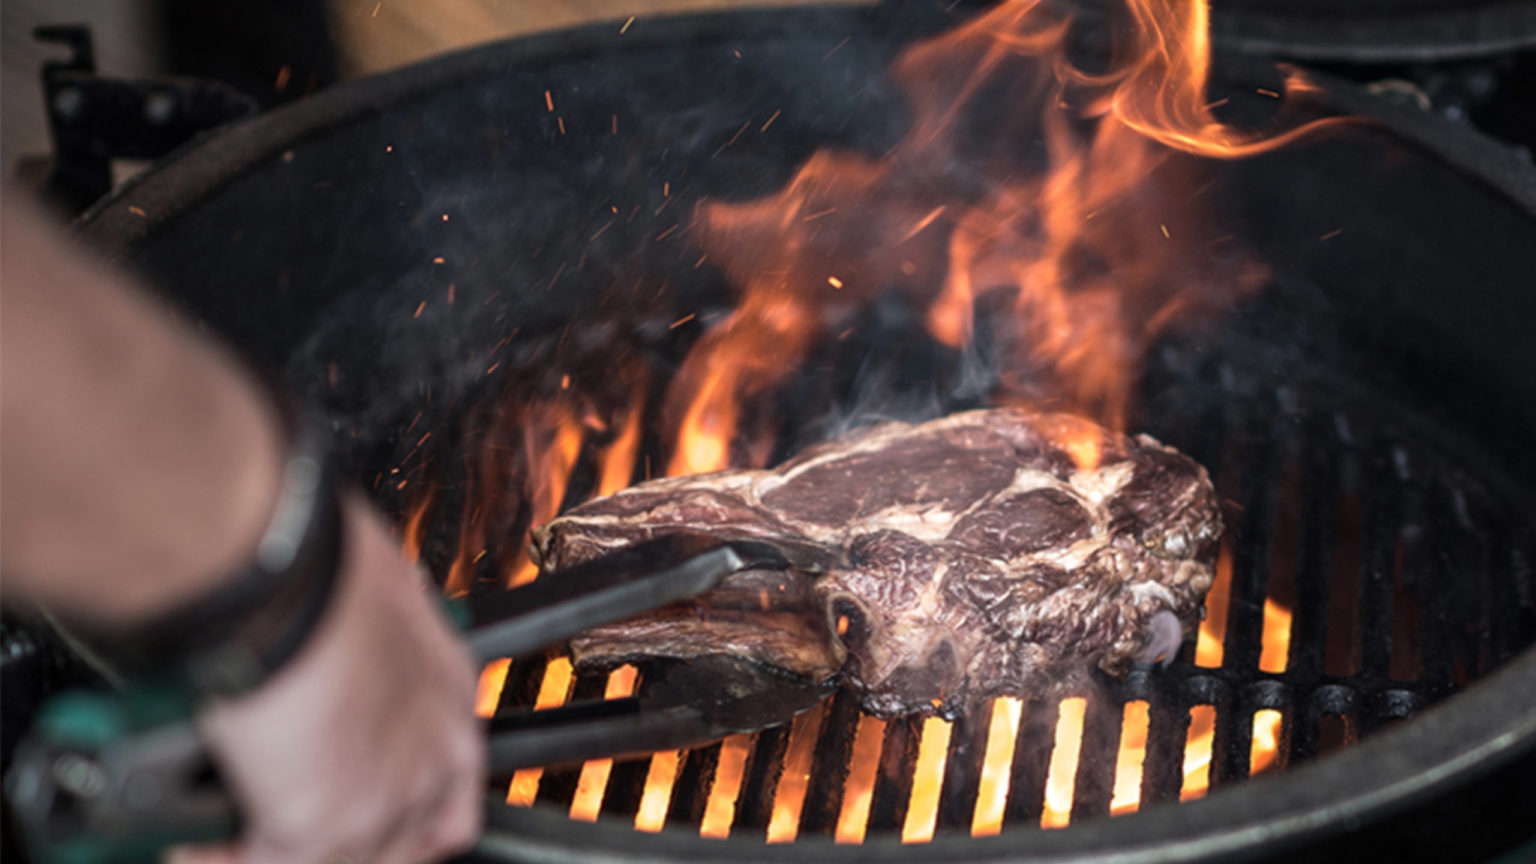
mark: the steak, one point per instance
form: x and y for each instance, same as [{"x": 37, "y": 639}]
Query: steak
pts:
[{"x": 986, "y": 553}]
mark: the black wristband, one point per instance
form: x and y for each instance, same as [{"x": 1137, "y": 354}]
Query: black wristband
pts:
[{"x": 234, "y": 639}]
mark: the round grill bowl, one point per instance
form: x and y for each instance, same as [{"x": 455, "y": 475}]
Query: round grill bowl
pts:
[{"x": 1396, "y": 352}]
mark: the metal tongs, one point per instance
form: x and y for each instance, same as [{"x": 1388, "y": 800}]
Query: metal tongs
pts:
[
  {"x": 121, "y": 776},
  {"x": 704, "y": 699}
]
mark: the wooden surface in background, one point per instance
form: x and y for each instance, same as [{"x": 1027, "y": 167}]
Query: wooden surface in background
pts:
[{"x": 374, "y": 35}]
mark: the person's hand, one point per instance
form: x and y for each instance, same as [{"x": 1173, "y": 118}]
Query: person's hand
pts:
[{"x": 365, "y": 748}]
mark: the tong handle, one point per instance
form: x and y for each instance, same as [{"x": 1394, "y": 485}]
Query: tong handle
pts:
[
  {"x": 574, "y": 733},
  {"x": 119, "y": 777},
  {"x": 611, "y": 588}
]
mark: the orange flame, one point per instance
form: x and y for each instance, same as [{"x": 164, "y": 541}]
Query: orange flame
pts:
[
  {"x": 1080, "y": 251},
  {"x": 411, "y": 533},
  {"x": 1134, "y": 723},
  {"x": 592, "y": 783},
  {"x": 1162, "y": 95},
  {"x": 996, "y": 767},
  {"x": 488, "y": 690},
  {"x": 755, "y": 347},
  {"x": 553, "y": 691},
  {"x": 552, "y": 442},
  {"x": 1275, "y": 647},
  {"x": 1267, "y": 724},
  {"x": 720, "y": 808},
  {"x": 618, "y": 460},
  {"x": 1197, "y": 752},
  {"x": 789, "y": 798},
  {"x": 657, "y": 797},
  {"x": 1061, "y": 781},
  {"x": 1209, "y": 642},
  {"x": 927, "y": 781},
  {"x": 1083, "y": 242},
  {"x": 1265, "y": 750},
  {"x": 859, "y": 789}
]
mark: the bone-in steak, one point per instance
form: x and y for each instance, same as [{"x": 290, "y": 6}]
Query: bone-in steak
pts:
[{"x": 985, "y": 553}]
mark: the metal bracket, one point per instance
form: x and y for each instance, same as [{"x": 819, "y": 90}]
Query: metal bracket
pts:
[{"x": 93, "y": 120}]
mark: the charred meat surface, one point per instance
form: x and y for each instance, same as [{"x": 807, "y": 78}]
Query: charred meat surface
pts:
[{"x": 985, "y": 553}]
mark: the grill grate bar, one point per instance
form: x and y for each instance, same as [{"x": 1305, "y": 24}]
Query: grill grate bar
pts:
[
  {"x": 962, "y": 768},
  {"x": 626, "y": 785},
  {"x": 1341, "y": 647},
  {"x": 1319, "y": 496},
  {"x": 1373, "y": 547},
  {"x": 1505, "y": 632},
  {"x": 523, "y": 679},
  {"x": 1285, "y": 541},
  {"x": 893, "y": 782},
  {"x": 1263, "y": 464},
  {"x": 690, "y": 790},
  {"x": 1232, "y": 743},
  {"x": 1031, "y": 762},
  {"x": 1422, "y": 575},
  {"x": 1232, "y": 749},
  {"x": 1255, "y": 489},
  {"x": 1524, "y": 578},
  {"x": 1095, "y": 781},
  {"x": 794, "y": 778},
  {"x": 824, "y": 796},
  {"x": 1463, "y": 554},
  {"x": 1162, "y": 774},
  {"x": 558, "y": 786},
  {"x": 1382, "y": 519},
  {"x": 765, "y": 762}
]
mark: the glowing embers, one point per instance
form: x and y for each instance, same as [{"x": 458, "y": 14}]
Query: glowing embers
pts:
[
  {"x": 488, "y": 691},
  {"x": 1130, "y": 758},
  {"x": 927, "y": 782},
  {"x": 1209, "y": 648},
  {"x": 1276, "y": 641},
  {"x": 1060, "y": 782},
  {"x": 658, "y": 791},
  {"x": 1265, "y": 750},
  {"x": 1083, "y": 757},
  {"x": 1197, "y": 752},
  {"x": 554, "y": 690},
  {"x": 996, "y": 767},
  {"x": 720, "y": 809},
  {"x": 789, "y": 797},
  {"x": 590, "y": 786},
  {"x": 858, "y": 791}
]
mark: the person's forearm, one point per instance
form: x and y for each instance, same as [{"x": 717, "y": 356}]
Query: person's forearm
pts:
[{"x": 138, "y": 462}]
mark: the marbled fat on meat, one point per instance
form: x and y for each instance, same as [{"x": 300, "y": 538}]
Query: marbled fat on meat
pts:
[{"x": 976, "y": 559}]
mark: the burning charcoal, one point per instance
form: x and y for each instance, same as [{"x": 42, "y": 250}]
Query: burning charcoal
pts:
[{"x": 985, "y": 553}]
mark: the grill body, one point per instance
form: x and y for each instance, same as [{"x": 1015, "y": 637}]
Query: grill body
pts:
[
  {"x": 1368, "y": 419},
  {"x": 1406, "y": 579}
]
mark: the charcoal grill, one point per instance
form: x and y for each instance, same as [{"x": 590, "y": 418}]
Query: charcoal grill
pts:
[
  {"x": 1347, "y": 511},
  {"x": 1368, "y": 418}
]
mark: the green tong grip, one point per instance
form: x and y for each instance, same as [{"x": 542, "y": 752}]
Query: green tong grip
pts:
[{"x": 92, "y": 723}]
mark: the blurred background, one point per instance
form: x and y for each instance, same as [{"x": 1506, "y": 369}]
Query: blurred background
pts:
[{"x": 274, "y": 50}]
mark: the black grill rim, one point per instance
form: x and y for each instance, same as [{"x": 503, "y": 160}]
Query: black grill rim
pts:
[
  {"x": 199, "y": 169},
  {"x": 1368, "y": 31},
  {"x": 1443, "y": 750}
]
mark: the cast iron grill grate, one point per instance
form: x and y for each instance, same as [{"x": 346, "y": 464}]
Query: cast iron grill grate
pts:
[{"x": 1370, "y": 567}]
